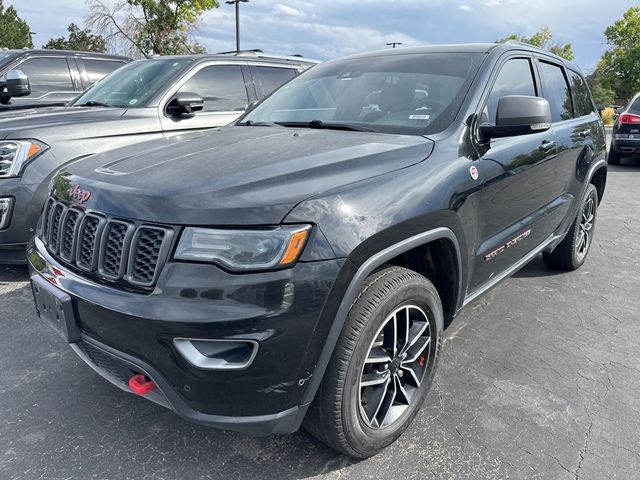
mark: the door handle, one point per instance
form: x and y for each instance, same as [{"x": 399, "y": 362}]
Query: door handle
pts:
[
  {"x": 546, "y": 146},
  {"x": 585, "y": 133}
]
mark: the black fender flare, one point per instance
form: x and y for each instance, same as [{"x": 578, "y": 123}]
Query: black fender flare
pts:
[{"x": 351, "y": 294}]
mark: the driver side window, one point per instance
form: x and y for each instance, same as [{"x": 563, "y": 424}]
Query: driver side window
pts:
[
  {"x": 221, "y": 86},
  {"x": 515, "y": 78}
]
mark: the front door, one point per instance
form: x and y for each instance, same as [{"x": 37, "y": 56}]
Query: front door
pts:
[{"x": 519, "y": 193}]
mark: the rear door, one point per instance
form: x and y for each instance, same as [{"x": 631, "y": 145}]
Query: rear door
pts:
[
  {"x": 519, "y": 192},
  {"x": 225, "y": 93}
]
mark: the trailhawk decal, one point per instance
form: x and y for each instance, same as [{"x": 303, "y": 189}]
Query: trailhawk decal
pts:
[{"x": 509, "y": 244}]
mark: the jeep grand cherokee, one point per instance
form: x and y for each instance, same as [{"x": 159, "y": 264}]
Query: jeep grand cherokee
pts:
[{"x": 297, "y": 268}]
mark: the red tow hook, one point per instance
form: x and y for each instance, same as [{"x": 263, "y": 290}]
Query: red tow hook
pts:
[{"x": 140, "y": 384}]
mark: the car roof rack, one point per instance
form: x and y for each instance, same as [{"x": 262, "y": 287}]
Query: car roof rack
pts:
[{"x": 256, "y": 52}]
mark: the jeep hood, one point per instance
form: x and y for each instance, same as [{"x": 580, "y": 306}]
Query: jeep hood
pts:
[
  {"x": 48, "y": 122},
  {"x": 234, "y": 175}
]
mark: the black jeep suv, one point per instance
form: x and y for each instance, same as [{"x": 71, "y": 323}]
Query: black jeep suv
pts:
[
  {"x": 148, "y": 99},
  {"x": 298, "y": 267},
  {"x": 625, "y": 138}
]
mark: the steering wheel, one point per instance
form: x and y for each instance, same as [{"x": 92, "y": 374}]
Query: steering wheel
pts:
[{"x": 431, "y": 104}]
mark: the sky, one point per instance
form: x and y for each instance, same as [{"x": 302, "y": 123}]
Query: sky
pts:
[{"x": 330, "y": 29}]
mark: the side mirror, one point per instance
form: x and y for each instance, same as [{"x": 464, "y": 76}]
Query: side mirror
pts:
[
  {"x": 185, "y": 104},
  {"x": 14, "y": 84},
  {"x": 17, "y": 84},
  {"x": 518, "y": 115}
]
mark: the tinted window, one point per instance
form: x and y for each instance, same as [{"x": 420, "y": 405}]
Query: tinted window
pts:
[
  {"x": 635, "y": 106},
  {"x": 274, "y": 77},
  {"x": 413, "y": 94},
  {"x": 556, "y": 91},
  {"x": 47, "y": 74},
  {"x": 133, "y": 84},
  {"x": 221, "y": 86},
  {"x": 581, "y": 96},
  {"x": 96, "y": 69},
  {"x": 515, "y": 78}
]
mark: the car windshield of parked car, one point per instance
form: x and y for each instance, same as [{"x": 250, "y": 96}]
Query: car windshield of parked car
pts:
[
  {"x": 414, "y": 94},
  {"x": 131, "y": 85}
]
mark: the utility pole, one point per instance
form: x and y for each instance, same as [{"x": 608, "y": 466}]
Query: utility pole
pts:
[
  {"x": 237, "y": 3},
  {"x": 392, "y": 44}
]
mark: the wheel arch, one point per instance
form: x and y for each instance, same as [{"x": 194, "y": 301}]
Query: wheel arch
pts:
[
  {"x": 439, "y": 240},
  {"x": 599, "y": 180}
]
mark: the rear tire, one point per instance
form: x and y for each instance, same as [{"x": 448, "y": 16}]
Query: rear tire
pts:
[
  {"x": 614, "y": 157},
  {"x": 571, "y": 253},
  {"x": 382, "y": 366}
]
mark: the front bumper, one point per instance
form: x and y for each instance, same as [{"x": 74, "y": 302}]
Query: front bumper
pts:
[
  {"x": 122, "y": 333},
  {"x": 27, "y": 203}
]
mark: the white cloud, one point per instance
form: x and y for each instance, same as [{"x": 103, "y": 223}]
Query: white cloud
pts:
[
  {"x": 465, "y": 8},
  {"x": 288, "y": 11}
]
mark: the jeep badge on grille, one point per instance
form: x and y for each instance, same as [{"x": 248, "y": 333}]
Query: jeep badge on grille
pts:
[{"x": 79, "y": 194}]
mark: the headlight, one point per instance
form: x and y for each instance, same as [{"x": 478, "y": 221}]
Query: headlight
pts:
[
  {"x": 14, "y": 154},
  {"x": 244, "y": 249}
]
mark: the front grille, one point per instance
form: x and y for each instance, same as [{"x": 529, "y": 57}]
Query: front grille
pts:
[{"x": 114, "y": 250}]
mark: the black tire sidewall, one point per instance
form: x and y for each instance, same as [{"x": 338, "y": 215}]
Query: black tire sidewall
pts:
[
  {"x": 591, "y": 193},
  {"x": 363, "y": 439}
]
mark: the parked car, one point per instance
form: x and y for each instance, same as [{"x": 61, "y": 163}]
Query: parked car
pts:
[
  {"x": 146, "y": 99},
  {"x": 298, "y": 267},
  {"x": 50, "y": 77},
  {"x": 625, "y": 137}
]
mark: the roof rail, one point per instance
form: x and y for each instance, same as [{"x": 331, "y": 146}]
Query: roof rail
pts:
[{"x": 260, "y": 54}]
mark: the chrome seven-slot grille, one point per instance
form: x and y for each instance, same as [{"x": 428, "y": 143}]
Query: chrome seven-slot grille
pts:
[{"x": 112, "y": 249}]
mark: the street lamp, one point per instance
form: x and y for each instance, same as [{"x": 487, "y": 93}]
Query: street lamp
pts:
[
  {"x": 237, "y": 3},
  {"x": 393, "y": 44}
]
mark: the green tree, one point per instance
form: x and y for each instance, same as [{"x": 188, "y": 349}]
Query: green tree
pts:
[
  {"x": 14, "y": 32},
  {"x": 543, "y": 38},
  {"x": 82, "y": 40},
  {"x": 619, "y": 67},
  {"x": 161, "y": 27},
  {"x": 602, "y": 95}
]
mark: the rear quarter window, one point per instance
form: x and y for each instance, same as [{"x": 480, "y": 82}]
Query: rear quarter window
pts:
[{"x": 582, "y": 103}]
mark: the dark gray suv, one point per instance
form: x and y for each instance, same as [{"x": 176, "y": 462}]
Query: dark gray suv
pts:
[
  {"x": 147, "y": 99},
  {"x": 298, "y": 267},
  {"x": 54, "y": 76}
]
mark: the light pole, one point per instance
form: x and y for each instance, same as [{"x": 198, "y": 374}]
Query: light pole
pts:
[
  {"x": 237, "y": 3},
  {"x": 393, "y": 44}
]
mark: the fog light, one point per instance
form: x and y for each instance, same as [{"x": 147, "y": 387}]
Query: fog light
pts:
[
  {"x": 221, "y": 354},
  {"x": 5, "y": 212}
]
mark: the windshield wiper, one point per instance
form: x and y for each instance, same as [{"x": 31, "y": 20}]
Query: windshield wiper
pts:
[
  {"x": 93, "y": 104},
  {"x": 329, "y": 126},
  {"x": 251, "y": 123}
]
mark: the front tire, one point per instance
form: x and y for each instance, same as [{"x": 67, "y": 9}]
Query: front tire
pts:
[
  {"x": 382, "y": 366},
  {"x": 571, "y": 253}
]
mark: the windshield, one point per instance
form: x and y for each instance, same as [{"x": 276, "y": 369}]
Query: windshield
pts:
[
  {"x": 131, "y": 85},
  {"x": 413, "y": 94}
]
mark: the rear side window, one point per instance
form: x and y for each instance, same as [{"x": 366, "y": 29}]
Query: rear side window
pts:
[
  {"x": 273, "y": 77},
  {"x": 635, "y": 106},
  {"x": 47, "y": 74},
  {"x": 581, "y": 97},
  {"x": 515, "y": 78},
  {"x": 221, "y": 86},
  {"x": 97, "y": 69},
  {"x": 556, "y": 91}
]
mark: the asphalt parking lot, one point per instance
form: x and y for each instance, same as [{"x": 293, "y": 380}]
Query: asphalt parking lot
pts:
[{"x": 539, "y": 379}]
